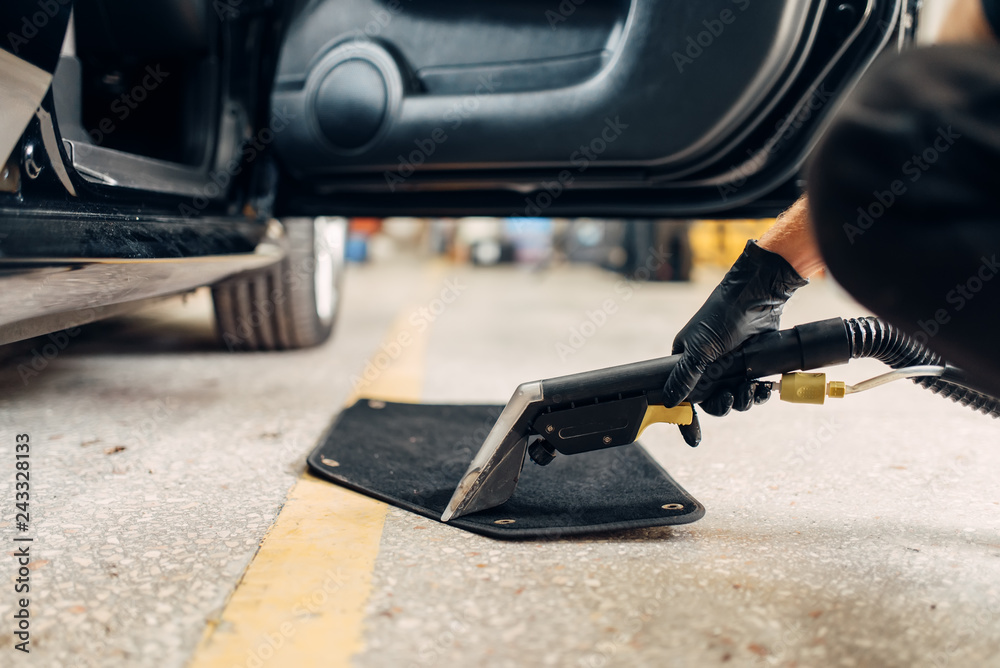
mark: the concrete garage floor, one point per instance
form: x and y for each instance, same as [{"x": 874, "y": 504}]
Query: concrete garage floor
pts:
[{"x": 863, "y": 533}]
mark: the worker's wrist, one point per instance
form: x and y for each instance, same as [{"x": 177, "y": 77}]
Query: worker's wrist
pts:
[
  {"x": 804, "y": 259},
  {"x": 970, "y": 21},
  {"x": 792, "y": 238}
]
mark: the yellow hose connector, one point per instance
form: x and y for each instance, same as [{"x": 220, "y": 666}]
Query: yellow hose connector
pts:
[
  {"x": 810, "y": 388},
  {"x": 836, "y": 389}
]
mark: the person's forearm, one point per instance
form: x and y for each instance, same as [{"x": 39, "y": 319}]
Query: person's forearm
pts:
[
  {"x": 792, "y": 238},
  {"x": 966, "y": 21}
]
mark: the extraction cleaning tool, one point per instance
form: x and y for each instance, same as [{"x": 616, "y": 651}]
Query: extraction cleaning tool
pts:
[{"x": 610, "y": 408}]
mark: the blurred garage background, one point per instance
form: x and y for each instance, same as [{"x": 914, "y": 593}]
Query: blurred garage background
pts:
[{"x": 622, "y": 246}]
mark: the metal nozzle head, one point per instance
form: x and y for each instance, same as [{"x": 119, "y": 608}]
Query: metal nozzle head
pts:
[
  {"x": 487, "y": 486},
  {"x": 492, "y": 476}
]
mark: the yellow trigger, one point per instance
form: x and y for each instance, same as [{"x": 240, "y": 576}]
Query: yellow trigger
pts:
[{"x": 680, "y": 414}]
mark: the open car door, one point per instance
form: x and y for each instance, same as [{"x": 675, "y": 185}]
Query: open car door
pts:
[{"x": 564, "y": 107}]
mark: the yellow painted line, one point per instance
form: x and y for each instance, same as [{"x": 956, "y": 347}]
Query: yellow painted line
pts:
[{"x": 302, "y": 600}]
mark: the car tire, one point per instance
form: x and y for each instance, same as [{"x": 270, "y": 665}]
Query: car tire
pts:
[{"x": 292, "y": 304}]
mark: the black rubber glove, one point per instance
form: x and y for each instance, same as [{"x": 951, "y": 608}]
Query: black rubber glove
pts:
[
  {"x": 745, "y": 395},
  {"x": 747, "y": 302}
]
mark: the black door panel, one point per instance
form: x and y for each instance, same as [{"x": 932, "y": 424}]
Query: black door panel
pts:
[
  {"x": 675, "y": 112},
  {"x": 647, "y": 107},
  {"x": 435, "y": 38}
]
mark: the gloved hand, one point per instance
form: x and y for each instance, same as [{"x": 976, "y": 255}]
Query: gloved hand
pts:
[{"x": 747, "y": 302}]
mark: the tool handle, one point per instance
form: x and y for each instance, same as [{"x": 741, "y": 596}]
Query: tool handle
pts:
[{"x": 809, "y": 346}]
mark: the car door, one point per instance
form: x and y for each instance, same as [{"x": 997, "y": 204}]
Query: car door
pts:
[
  {"x": 29, "y": 53},
  {"x": 563, "y": 107}
]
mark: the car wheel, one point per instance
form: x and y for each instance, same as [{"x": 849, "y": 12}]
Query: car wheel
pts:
[{"x": 292, "y": 304}]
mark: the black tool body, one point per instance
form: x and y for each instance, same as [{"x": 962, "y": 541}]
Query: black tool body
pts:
[{"x": 604, "y": 408}]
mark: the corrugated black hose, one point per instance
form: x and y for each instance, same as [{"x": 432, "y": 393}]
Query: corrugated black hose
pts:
[{"x": 875, "y": 338}]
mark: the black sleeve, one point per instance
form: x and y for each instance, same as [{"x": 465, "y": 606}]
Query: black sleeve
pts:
[{"x": 992, "y": 10}]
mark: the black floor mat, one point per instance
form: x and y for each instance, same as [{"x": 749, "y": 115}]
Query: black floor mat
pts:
[{"x": 413, "y": 455}]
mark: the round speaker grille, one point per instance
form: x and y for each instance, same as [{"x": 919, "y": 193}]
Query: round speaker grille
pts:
[{"x": 351, "y": 103}]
